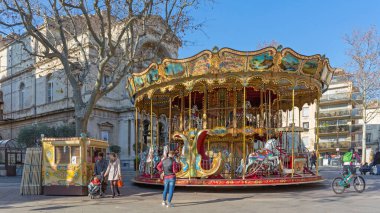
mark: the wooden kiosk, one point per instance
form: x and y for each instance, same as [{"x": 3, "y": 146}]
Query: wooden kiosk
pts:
[{"x": 68, "y": 164}]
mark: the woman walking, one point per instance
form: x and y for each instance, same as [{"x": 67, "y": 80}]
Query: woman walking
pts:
[{"x": 114, "y": 173}]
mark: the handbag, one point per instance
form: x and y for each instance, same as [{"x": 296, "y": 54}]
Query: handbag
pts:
[{"x": 120, "y": 183}]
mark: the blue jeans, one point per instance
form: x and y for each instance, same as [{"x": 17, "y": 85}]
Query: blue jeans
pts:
[{"x": 169, "y": 185}]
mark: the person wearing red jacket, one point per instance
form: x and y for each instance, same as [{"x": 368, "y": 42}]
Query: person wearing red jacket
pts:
[{"x": 169, "y": 167}]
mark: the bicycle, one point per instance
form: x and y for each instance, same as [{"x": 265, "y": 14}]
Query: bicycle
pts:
[{"x": 339, "y": 184}]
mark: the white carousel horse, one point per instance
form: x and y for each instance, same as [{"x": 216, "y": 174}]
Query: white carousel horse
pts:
[{"x": 267, "y": 156}]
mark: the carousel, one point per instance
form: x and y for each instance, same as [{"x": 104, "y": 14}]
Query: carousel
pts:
[{"x": 222, "y": 112}]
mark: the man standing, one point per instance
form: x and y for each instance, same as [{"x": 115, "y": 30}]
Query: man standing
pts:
[
  {"x": 376, "y": 162},
  {"x": 100, "y": 168},
  {"x": 169, "y": 167},
  {"x": 313, "y": 160}
]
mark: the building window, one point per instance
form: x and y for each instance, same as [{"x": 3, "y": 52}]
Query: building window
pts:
[
  {"x": 21, "y": 96},
  {"x": 106, "y": 80},
  {"x": 305, "y": 141},
  {"x": 49, "y": 89},
  {"x": 104, "y": 135},
  {"x": 305, "y": 125},
  {"x": 368, "y": 137},
  {"x": 305, "y": 112}
]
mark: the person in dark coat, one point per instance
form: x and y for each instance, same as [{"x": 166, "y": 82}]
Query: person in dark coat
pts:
[{"x": 99, "y": 170}]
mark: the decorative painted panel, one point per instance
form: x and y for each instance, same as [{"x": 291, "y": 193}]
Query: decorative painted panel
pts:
[
  {"x": 289, "y": 63},
  {"x": 261, "y": 62},
  {"x": 310, "y": 67}
]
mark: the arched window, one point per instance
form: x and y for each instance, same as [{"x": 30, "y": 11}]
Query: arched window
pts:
[
  {"x": 21, "y": 95},
  {"x": 49, "y": 89}
]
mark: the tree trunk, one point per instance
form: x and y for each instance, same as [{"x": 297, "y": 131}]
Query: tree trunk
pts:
[
  {"x": 364, "y": 138},
  {"x": 80, "y": 126}
]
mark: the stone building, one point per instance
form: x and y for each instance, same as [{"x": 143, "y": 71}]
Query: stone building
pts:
[{"x": 35, "y": 91}]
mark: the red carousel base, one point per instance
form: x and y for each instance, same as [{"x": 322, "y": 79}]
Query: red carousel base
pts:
[{"x": 304, "y": 179}]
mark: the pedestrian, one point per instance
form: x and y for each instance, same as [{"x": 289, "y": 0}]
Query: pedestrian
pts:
[
  {"x": 114, "y": 173},
  {"x": 313, "y": 160},
  {"x": 329, "y": 158},
  {"x": 168, "y": 167},
  {"x": 100, "y": 170},
  {"x": 376, "y": 162}
]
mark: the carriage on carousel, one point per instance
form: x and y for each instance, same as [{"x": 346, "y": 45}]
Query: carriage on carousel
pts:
[{"x": 222, "y": 112}]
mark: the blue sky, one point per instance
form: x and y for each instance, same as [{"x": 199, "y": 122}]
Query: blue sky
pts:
[{"x": 307, "y": 26}]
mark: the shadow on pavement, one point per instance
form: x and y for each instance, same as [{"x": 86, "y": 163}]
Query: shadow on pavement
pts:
[{"x": 220, "y": 200}]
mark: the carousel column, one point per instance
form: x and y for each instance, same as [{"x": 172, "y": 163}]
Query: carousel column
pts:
[
  {"x": 234, "y": 112},
  {"x": 136, "y": 142},
  {"x": 317, "y": 135},
  {"x": 293, "y": 132},
  {"x": 191, "y": 174},
  {"x": 170, "y": 122},
  {"x": 181, "y": 115},
  {"x": 151, "y": 137},
  {"x": 204, "y": 116},
  {"x": 244, "y": 131}
]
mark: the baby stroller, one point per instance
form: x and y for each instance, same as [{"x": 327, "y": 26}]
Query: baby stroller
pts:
[{"x": 94, "y": 191}]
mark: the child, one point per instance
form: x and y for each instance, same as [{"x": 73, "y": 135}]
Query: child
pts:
[{"x": 94, "y": 185}]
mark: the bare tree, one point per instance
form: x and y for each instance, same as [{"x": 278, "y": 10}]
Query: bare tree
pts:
[
  {"x": 107, "y": 34},
  {"x": 364, "y": 71}
]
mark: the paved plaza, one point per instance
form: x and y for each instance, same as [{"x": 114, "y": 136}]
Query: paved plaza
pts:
[{"x": 301, "y": 198}]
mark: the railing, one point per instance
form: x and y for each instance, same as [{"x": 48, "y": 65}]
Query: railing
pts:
[
  {"x": 334, "y": 129},
  {"x": 335, "y": 97},
  {"x": 331, "y": 145},
  {"x": 335, "y": 113},
  {"x": 356, "y": 128}
]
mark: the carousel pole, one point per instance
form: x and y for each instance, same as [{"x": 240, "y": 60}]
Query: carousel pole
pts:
[
  {"x": 204, "y": 116},
  {"x": 157, "y": 131},
  {"x": 190, "y": 142},
  {"x": 235, "y": 111},
  {"x": 244, "y": 151},
  {"x": 170, "y": 121},
  {"x": 317, "y": 134},
  {"x": 151, "y": 135},
  {"x": 293, "y": 132},
  {"x": 136, "y": 141},
  {"x": 299, "y": 135},
  {"x": 270, "y": 109},
  {"x": 278, "y": 111},
  {"x": 181, "y": 120}
]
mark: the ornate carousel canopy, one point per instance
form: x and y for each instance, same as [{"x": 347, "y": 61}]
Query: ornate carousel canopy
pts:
[{"x": 279, "y": 70}]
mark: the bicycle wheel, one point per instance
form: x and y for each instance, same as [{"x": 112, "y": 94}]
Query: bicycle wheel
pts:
[
  {"x": 359, "y": 184},
  {"x": 338, "y": 185}
]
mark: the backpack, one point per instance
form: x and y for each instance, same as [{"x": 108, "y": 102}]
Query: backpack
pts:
[{"x": 347, "y": 157}]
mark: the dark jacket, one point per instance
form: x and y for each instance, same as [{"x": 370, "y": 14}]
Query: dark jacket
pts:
[
  {"x": 169, "y": 167},
  {"x": 100, "y": 167},
  {"x": 376, "y": 159}
]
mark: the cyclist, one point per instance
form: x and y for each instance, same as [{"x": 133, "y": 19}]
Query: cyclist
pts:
[{"x": 348, "y": 163}]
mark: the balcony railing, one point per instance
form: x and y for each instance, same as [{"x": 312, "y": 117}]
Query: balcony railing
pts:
[
  {"x": 335, "y": 97},
  {"x": 331, "y": 145},
  {"x": 334, "y": 129},
  {"x": 335, "y": 113},
  {"x": 356, "y": 128}
]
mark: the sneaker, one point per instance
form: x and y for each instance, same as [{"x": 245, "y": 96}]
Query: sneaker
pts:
[
  {"x": 169, "y": 205},
  {"x": 163, "y": 203}
]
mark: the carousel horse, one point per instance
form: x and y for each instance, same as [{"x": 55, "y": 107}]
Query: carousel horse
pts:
[{"x": 267, "y": 156}]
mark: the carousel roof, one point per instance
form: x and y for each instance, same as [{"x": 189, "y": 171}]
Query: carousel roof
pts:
[{"x": 281, "y": 67}]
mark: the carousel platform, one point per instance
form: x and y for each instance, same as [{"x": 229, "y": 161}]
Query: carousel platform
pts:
[{"x": 233, "y": 183}]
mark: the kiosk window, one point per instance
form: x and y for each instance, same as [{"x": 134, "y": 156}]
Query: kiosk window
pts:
[
  {"x": 75, "y": 154},
  {"x": 62, "y": 154}
]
